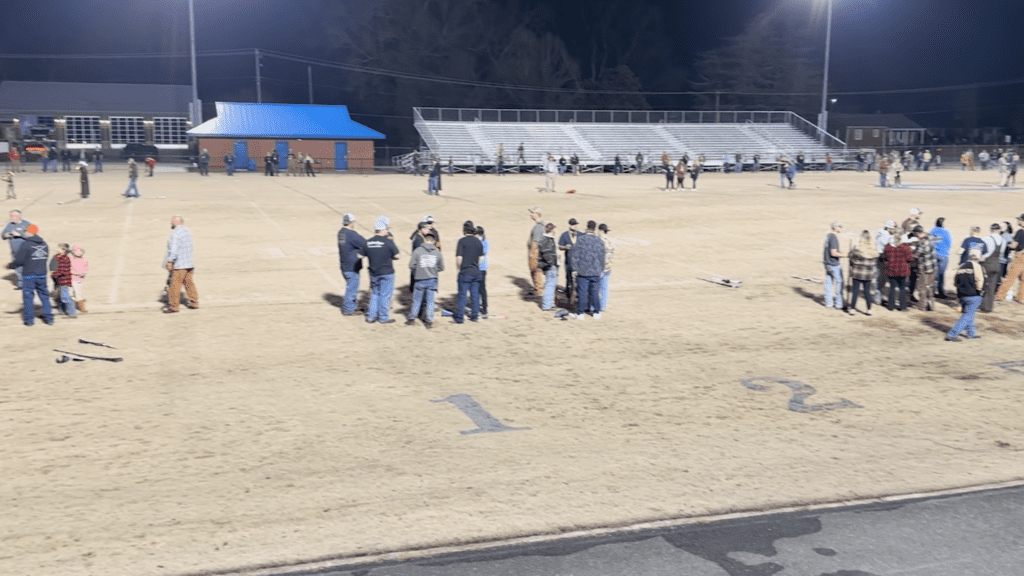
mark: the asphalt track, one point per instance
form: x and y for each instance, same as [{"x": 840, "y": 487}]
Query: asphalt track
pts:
[{"x": 972, "y": 534}]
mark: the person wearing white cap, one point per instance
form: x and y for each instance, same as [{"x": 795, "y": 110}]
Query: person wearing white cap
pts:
[
  {"x": 351, "y": 248},
  {"x": 380, "y": 251},
  {"x": 912, "y": 221}
]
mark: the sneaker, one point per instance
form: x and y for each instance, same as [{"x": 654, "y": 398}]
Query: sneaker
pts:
[
  {"x": 597, "y": 315},
  {"x": 388, "y": 321},
  {"x": 975, "y": 337},
  {"x": 953, "y": 339},
  {"x": 428, "y": 325}
]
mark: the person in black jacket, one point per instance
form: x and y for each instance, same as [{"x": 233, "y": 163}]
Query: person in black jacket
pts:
[
  {"x": 548, "y": 263},
  {"x": 32, "y": 257},
  {"x": 970, "y": 279}
]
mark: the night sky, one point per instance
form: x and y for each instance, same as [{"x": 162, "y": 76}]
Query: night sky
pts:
[{"x": 876, "y": 45}]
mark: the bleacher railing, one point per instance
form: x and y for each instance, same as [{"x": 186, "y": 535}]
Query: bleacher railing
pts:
[{"x": 625, "y": 117}]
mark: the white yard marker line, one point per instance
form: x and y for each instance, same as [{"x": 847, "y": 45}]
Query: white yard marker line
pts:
[
  {"x": 305, "y": 255},
  {"x": 120, "y": 256}
]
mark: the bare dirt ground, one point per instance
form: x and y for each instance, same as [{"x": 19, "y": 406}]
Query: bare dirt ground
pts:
[{"x": 265, "y": 429}]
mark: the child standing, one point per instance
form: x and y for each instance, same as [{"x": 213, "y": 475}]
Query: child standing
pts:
[
  {"x": 62, "y": 275},
  {"x": 79, "y": 268}
]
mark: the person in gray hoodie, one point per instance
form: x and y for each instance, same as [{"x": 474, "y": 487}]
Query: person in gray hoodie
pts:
[
  {"x": 425, "y": 263},
  {"x": 32, "y": 257}
]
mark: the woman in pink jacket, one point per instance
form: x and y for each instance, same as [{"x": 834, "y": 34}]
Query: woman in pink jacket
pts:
[{"x": 79, "y": 268}]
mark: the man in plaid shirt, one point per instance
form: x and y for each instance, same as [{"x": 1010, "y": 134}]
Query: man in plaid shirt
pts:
[{"x": 927, "y": 263}]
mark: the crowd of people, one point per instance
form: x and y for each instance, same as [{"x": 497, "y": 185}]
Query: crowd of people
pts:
[
  {"x": 911, "y": 262},
  {"x": 426, "y": 261},
  {"x": 31, "y": 262},
  {"x": 587, "y": 261},
  {"x": 586, "y": 257}
]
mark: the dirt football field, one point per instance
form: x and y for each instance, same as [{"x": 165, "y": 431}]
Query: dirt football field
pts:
[{"x": 264, "y": 431}]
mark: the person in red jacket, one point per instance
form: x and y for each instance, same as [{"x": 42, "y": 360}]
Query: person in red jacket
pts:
[
  {"x": 62, "y": 276},
  {"x": 897, "y": 258}
]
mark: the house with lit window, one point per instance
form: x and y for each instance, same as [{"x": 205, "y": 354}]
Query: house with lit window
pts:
[
  {"x": 87, "y": 116},
  {"x": 878, "y": 130},
  {"x": 250, "y": 132}
]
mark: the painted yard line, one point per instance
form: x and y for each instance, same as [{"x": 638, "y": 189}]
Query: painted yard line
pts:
[
  {"x": 115, "y": 283},
  {"x": 330, "y": 279}
]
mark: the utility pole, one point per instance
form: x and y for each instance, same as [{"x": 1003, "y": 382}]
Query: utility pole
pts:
[
  {"x": 309, "y": 69},
  {"x": 197, "y": 113},
  {"x": 259, "y": 90},
  {"x": 823, "y": 117}
]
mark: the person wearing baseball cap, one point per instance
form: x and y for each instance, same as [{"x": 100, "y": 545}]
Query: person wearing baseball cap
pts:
[
  {"x": 833, "y": 269},
  {"x": 32, "y": 258},
  {"x": 351, "y": 249},
  {"x": 380, "y": 253},
  {"x": 566, "y": 243}
]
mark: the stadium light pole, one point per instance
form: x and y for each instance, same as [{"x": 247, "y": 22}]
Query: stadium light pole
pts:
[
  {"x": 823, "y": 116},
  {"x": 197, "y": 114}
]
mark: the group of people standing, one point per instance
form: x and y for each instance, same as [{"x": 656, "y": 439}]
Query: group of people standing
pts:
[
  {"x": 425, "y": 263},
  {"x": 677, "y": 173},
  {"x": 30, "y": 260},
  {"x": 587, "y": 259},
  {"x": 910, "y": 259}
]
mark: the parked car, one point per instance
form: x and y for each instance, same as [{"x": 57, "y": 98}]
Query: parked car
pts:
[
  {"x": 139, "y": 152},
  {"x": 33, "y": 150}
]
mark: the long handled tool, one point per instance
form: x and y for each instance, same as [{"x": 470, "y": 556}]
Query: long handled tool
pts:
[{"x": 118, "y": 359}]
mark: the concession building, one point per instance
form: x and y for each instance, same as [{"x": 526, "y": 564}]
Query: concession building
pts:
[{"x": 250, "y": 131}]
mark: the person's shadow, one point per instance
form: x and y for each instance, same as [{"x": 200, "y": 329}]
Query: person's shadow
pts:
[
  {"x": 338, "y": 300},
  {"x": 525, "y": 286},
  {"x": 817, "y": 298}
]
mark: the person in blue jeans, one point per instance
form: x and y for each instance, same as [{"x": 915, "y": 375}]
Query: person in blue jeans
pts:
[
  {"x": 380, "y": 251},
  {"x": 32, "y": 257},
  {"x": 942, "y": 246},
  {"x": 425, "y": 263},
  {"x": 62, "y": 276},
  {"x": 588, "y": 263},
  {"x": 833, "y": 269},
  {"x": 483, "y": 269},
  {"x": 970, "y": 279},
  {"x": 547, "y": 261},
  {"x": 468, "y": 252},
  {"x": 609, "y": 252},
  {"x": 133, "y": 176},
  {"x": 351, "y": 248}
]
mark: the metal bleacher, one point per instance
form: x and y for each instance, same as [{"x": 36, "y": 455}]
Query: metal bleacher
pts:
[{"x": 470, "y": 137}]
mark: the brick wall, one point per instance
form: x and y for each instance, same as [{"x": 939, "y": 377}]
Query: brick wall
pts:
[{"x": 360, "y": 152}]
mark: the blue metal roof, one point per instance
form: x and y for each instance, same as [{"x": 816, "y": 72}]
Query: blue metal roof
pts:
[{"x": 246, "y": 120}]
